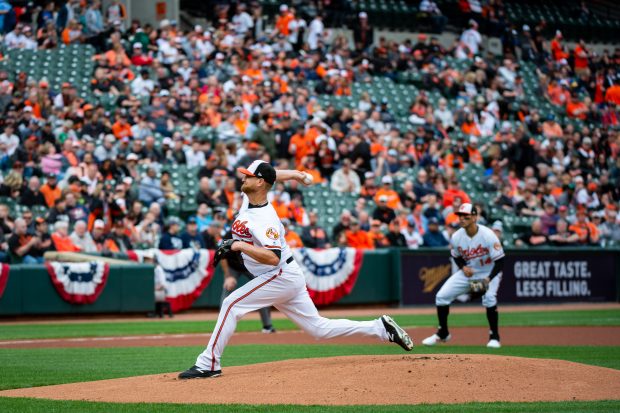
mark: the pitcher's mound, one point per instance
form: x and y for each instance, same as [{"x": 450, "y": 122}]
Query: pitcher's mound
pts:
[{"x": 404, "y": 379}]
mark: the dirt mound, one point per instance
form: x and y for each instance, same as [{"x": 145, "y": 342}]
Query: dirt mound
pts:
[{"x": 407, "y": 379}]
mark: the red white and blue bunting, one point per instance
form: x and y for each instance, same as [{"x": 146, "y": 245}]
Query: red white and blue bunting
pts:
[
  {"x": 188, "y": 273},
  {"x": 4, "y": 277},
  {"x": 330, "y": 273},
  {"x": 79, "y": 282}
]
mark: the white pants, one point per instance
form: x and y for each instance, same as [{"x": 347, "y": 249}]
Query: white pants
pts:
[
  {"x": 286, "y": 290},
  {"x": 458, "y": 284}
]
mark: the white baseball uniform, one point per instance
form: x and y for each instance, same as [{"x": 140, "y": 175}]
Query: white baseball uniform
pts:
[
  {"x": 480, "y": 252},
  {"x": 282, "y": 286}
]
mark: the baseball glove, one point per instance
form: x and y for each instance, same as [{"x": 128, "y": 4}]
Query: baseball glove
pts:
[
  {"x": 478, "y": 288},
  {"x": 223, "y": 251}
]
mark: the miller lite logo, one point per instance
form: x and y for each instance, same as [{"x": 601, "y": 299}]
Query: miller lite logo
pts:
[
  {"x": 476, "y": 252},
  {"x": 240, "y": 229}
]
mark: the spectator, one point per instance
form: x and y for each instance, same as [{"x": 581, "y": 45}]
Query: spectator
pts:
[
  {"x": 563, "y": 236},
  {"x": 118, "y": 240},
  {"x": 345, "y": 179},
  {"x": 51, "y": 191},
  {"x": 394, "y": 236},
  {"x": 313, "y": 235},
  {"x": 377, "y": 236},
  {"x": 81, "y": 238},
  {"x": 191, "y": 237},
  {"x": 358, "y": 238},
  {"x": 383, "y": 212},
  {"x": 586, "y": 231},
  {"x": 471, "y": 38},
  {"x": 386, "y": 190},
  {"x": 549, "y": 219},
  {"x": 212, "y": 235},
  {"x": 292, "y": 238},
  {"x": 609, "y": 229},
  {"x": 363, "y": 33},
  {"x": 62, "y": 241},
  {"x": 343, "y": 224},
  {"x": 170, "y": 239},
  {"x": 430, "y": 11},
  {"x": 433, "y": 237},
  {"x": 98, "y": 235},
  {"x": 297, "y": 213},
  {"x": 150, "y": 188},
  {"x": 534, "y": 237},
  {"x": 32, "y": 195}
]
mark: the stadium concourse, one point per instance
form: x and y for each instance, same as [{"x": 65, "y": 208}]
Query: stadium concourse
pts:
[{"x": 119, "y": 135}]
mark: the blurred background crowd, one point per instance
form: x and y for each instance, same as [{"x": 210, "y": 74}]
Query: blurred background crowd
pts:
[{"x": 119, "y": 135}]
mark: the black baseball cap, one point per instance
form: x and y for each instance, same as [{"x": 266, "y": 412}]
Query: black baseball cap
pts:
[{"x": 260, "y": 169}]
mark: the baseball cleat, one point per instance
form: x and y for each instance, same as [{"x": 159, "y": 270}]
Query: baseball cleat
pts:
[
  {"x": 268, "y": 330},
  {"x": 434, "y": 339},
  {"x": 196, "y": 372},
  {"x": 494, "y": 344},
  {"x": 396, "y": 334}
]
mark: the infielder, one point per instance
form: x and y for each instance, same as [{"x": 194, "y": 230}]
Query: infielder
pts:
[
  {"x": 258, "y": 234},
  {"x": 479, "y": 255}
]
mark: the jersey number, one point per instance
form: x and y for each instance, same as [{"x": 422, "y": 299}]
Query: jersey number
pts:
[{"x": 485, "y": 262}]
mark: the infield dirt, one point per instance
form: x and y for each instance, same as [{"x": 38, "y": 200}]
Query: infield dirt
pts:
[{"x": 406, "y": 379}]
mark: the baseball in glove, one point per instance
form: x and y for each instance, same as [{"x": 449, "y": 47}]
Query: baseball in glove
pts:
[
  {"x": 223, "y": 251},
  {"x": 478, "y": 288}
]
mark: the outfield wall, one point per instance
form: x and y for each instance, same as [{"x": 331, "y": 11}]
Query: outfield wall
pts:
[{"x": 397, "y": 277}]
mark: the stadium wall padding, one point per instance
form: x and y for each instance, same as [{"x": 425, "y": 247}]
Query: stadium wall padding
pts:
[
  {"x": 385, "y": 278},
  {"x": 30, "y": 291}
]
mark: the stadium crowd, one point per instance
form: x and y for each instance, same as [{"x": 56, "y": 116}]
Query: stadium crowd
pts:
[{"x": 87, "y": 178}]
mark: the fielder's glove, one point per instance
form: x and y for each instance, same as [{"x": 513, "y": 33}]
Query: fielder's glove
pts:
[
  {"x": 478, "y": 288},
  {"x": 223, "y": 251}
]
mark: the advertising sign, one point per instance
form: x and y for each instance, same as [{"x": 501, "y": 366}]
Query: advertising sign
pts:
[{"x": 529, "y": 276}]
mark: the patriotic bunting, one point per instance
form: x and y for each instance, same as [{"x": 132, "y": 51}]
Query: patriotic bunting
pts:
[
  {"x": 188, "y": 273},
  {"x": 330, "y": 273},
  {"x": 78, "y": 282},
  {"x": 4, "y": 277}
]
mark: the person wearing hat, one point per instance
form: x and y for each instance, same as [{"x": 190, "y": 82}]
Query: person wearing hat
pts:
[
  {"x": 479, "y": 255},
  {"x": 383, "y": 212},
  {"x": 387, "y": 190},
  {"x": 356, "y": 237},
  {"x": 283, "y": 20},
  {"x": 191, "y": 237},
  {"x": 412, "y": 235},
  {"x": 363, "y": 32},
  {"x": 433, "y": 237},
  {"x": 170, "y": 239},
  {"x": 98, "y": 234},
  {"x": 50, "y": 190},
  {"x": 118, "y": 240},
  {"x": 258, "y": 236}
]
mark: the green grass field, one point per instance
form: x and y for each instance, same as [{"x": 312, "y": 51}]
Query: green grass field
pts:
[
  {"x": 171, "y": 326},
  {"x": 37, "y": 367}
]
